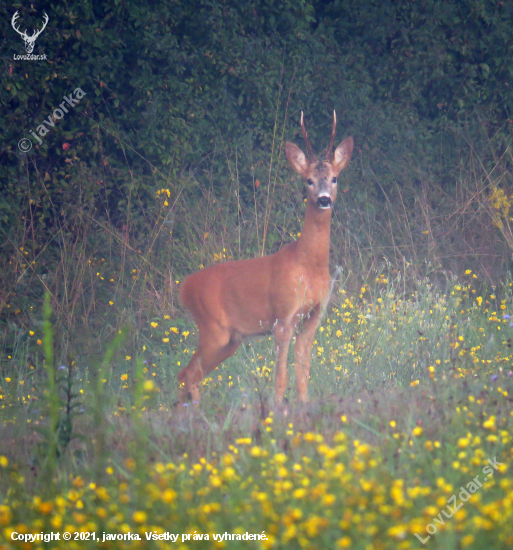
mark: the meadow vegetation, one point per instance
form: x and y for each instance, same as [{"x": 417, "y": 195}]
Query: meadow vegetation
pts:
[
  {"x": 173, "y": 161},
  {"x": 410, "y": 398}
]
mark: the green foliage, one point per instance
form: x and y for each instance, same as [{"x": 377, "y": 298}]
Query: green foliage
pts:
[
  {"x": 52, "y": 389},
  {"x": 61, "y": 400},
  {"x": 101, "y": 400},
  {"x": 402, "y": 76}
]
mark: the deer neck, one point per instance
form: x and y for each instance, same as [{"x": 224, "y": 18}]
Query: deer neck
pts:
[{"x": 314, "y": 243}]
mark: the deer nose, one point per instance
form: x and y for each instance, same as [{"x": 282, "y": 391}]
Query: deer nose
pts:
[{"x": 324, "y": 202}]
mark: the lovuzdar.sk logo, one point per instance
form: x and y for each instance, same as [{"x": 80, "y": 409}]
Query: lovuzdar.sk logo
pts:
[{"x": 29, "y": 40}]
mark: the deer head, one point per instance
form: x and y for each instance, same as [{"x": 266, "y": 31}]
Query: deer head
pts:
[
  {"x": 29, "y": 40},
  {"x": 321, "y": 172}
]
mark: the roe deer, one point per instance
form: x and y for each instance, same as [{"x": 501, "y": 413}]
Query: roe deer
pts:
[{"x": 280, "y": 293}]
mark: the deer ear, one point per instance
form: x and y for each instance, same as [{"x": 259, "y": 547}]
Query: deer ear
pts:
[
  {"x": 342, "y": 155},
  {"x": 296, "y": 158}
]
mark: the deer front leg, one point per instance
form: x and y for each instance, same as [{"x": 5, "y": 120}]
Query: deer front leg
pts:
[
  {"x": 282, "y": 335},
  {"x": 303, "y": 352}
]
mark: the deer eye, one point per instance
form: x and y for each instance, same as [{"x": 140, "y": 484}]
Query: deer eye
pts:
[
  {"x": 334, "y": 181},
  {"x": 310, "y": 182}
]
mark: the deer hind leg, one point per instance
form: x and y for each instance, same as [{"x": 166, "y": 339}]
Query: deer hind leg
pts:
[
  {"x": 282, "y": 334},
  {"x": 214, "y": 347},
  {"x": 303, "y": 352}
]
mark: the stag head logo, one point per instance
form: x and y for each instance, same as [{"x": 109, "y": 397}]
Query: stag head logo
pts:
[{"x": 29, "y": 40}]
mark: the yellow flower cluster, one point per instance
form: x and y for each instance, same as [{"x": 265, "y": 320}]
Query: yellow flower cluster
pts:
[{"x": 326, "y": 492}]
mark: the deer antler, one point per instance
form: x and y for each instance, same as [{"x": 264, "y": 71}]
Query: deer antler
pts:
[
  {"x": 330, "y": 147},
  {"x": 311, "y": 154}
]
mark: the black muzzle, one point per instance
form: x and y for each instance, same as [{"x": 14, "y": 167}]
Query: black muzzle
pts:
[{"x": 324, "y": 202}]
